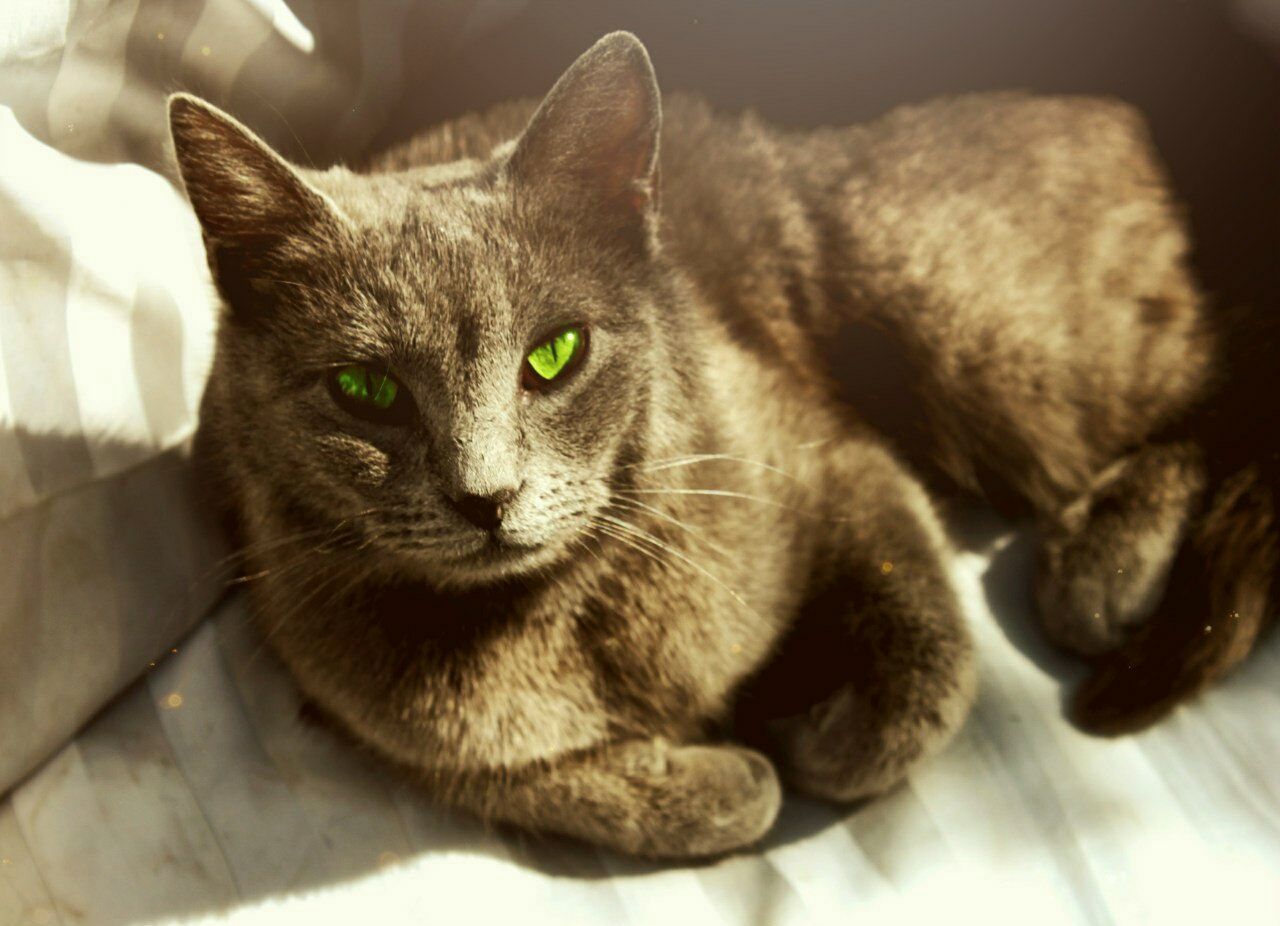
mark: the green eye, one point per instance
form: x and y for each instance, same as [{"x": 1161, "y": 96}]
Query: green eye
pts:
[
  {"x": 368, "y": 392},
  {"x": 549, "y": 360}
]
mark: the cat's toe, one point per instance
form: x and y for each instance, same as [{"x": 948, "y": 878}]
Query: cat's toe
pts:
[{"x": 1076, "y": 614}]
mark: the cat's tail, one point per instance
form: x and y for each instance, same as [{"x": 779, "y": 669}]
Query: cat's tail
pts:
[{"x": 1224, "y": 591}]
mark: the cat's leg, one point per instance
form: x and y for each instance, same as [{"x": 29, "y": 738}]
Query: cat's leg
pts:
[
  {"x": 1104, "y": 559},
  {"x": 878, "y": 671},
  {"x": 642, "y": 797}
]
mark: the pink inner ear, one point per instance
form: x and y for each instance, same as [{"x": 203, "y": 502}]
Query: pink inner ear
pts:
[
  {"x": 632, "y": 142},
  {"x": 633, "y": 177},
  {"x": 640, "y": 193}
]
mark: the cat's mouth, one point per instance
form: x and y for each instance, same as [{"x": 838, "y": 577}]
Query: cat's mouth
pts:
[
  {"x": 501, "y": 546},
  {"x": 479, "y": 557},
  {"x": 492, "y": 559},
  {"x": 496, "y": 549}
]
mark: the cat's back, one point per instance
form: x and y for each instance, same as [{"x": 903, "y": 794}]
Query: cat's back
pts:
[
  {"x": 1029, "y": 258},
  {"x": 1024, "y": 255}
]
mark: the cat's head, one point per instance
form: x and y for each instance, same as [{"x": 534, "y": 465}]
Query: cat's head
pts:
[{"x": 458, "y": 363}]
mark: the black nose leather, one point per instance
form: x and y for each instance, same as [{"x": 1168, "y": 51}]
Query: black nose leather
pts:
[{"x": 484, "y": 511}]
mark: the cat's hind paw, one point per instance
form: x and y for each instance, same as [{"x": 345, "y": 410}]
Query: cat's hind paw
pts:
[{"x": 1104, "y": 566}]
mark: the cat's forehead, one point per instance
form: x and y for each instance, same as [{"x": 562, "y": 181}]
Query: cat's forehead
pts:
[
  {"x": 441, "y": 209},
  {"x": 439, "y": 260},
  {"x": 449, "y": 264}
]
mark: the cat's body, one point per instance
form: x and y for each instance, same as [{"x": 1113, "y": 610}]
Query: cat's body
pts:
[{"x": 695, "y": 510}]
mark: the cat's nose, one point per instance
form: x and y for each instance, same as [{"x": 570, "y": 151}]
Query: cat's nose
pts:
[{"x": 485, "y": 511}]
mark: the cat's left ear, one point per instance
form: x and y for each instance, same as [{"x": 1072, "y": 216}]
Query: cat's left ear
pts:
[{"x": 596, "y": 133}]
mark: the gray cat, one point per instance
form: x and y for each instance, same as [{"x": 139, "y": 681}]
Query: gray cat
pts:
[{"x": 545, "y": 484}]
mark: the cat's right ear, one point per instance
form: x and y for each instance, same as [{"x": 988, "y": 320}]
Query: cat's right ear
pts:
[
  {"x": 596, "y": 133},
  {"x": 255, "y": 210}
]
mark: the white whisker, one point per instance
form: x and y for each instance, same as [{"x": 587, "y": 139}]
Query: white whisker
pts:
[
  {"x": 644, "y": 535},
  {"x": 726, "y": 493},
  {"x": 640, "y": 506}
]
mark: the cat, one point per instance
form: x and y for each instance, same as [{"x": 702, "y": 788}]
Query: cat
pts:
[{"x": 549, "y": 492}]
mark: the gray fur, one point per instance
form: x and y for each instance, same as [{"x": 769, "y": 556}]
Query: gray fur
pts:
[{"x": 694, "y": 515}]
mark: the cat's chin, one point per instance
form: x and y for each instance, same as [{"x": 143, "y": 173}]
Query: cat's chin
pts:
[{"x": 489, "y": 563}]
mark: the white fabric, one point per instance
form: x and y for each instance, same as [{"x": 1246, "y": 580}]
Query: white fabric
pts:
[{"x": 200, "y": 797}]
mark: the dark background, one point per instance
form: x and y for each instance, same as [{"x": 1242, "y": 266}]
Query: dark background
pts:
[{"x": 1202, "y": 72}]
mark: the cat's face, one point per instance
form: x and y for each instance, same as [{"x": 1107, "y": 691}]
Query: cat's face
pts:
[{"x": 454, "y": 363}]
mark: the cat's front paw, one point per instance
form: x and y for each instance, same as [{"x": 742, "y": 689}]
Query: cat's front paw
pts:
[
  {"x": 645, "y": 797},
  {"x": 701, "y": 801},
  {"x": 849, "y": 748}
]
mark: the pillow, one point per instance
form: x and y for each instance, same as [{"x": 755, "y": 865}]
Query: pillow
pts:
[
  {"x": 107, "y": 311},
  {"x": 106, "y": 316}
]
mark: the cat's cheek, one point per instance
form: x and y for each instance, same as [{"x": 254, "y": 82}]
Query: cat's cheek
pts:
[{"x": 353, "y": 461}]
